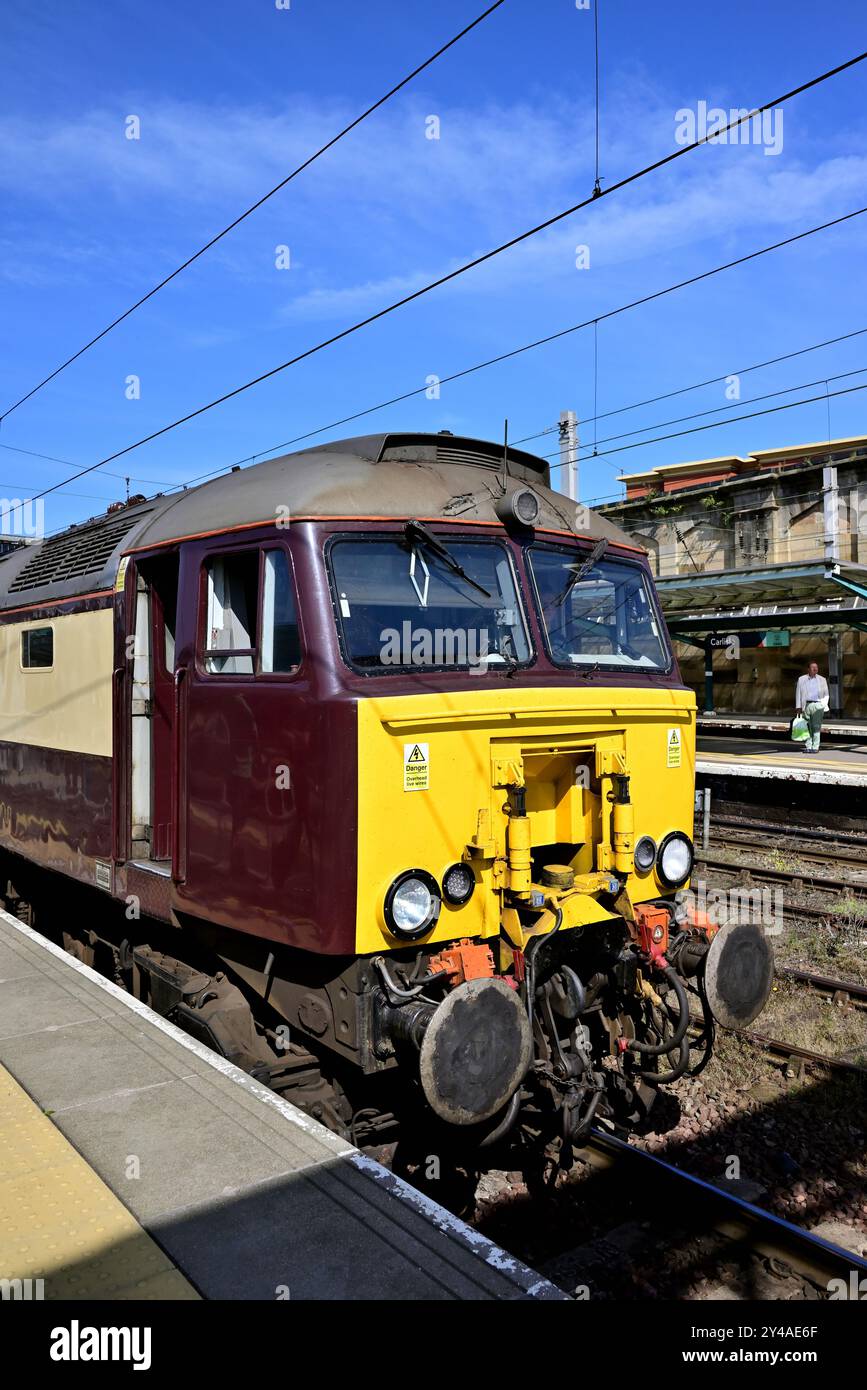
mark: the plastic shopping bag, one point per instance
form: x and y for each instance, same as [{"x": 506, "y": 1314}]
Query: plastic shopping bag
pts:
[{"x": 799, "y": 729}]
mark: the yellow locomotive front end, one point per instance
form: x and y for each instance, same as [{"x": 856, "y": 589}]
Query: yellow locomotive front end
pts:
[
  {"x": 525, "y": 817},
  {"x": 529, "y": 788}
]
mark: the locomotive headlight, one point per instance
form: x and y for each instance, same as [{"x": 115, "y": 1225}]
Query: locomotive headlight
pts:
[
  {"x": 458, "y": 884},
  {"x": 412, "y": 904},
  {"x": 645, "y": 854},
  {"x": 521, "y": 505},
  {"x": 675, "y": 858}
]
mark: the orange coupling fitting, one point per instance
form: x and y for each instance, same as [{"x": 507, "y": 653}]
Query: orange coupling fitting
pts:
[
  {"x": 651, "y": 924},
  {"x": 467, "y": 960},
  {"x": 520, "y": 855}
]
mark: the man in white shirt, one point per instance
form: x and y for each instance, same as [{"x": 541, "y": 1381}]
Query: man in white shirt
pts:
[{"x": 811, "y": 700}]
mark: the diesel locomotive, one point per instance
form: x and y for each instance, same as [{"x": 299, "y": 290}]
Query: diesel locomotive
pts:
[{"x": 371, "y": 766}]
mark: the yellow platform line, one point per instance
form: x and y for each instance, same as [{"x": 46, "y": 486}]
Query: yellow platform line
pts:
[
  {"x": 61, "y": 1224},
  {"x": 776, "y": 760}
]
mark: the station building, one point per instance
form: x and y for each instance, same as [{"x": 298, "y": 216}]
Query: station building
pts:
[{"x": 761, "y": 565}]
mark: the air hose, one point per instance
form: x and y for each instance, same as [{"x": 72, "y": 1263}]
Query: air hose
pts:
[{"x": 661, "y": 1049}]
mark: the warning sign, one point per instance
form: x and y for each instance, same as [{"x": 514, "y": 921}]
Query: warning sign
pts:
[
  {"x": 416, "y": 767},
  {"x": 673, "y": 750}
]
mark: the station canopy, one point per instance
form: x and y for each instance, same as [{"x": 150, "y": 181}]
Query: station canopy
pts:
[{"x": 817, "y": 596}]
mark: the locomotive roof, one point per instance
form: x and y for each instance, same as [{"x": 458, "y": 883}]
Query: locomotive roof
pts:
[{"x": 431, "y": 476}]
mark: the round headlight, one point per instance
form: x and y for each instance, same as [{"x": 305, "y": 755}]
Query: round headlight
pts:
[
  {"x": 412, "y": 904},
  {"x": 645, "y": 854},
  {"x": 520, "y": 505},
  {"x": 675, "y": 859},
  {"x": 458, "y": 884},
  {"x": 526, "y": 506}
]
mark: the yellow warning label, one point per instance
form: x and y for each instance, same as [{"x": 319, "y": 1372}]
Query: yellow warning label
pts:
[
  {"x": 121, "y": 575},
  {"x": 416, "y": 767},
  {"x": 673, "y": 751}
]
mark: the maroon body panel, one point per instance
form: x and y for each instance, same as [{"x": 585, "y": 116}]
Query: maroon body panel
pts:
[
  {"x": 266, "y": 841},
  {"x": 55, "y": 808}
]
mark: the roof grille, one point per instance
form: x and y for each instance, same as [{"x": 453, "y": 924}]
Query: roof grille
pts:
[
  {"x": 83, "y": 551},
  {"x": 475, "y": 456}
]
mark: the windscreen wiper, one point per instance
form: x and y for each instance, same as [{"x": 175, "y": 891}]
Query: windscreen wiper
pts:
[
  {"x": 579, "y": 571},
  {"x": 416, "y": 532}
]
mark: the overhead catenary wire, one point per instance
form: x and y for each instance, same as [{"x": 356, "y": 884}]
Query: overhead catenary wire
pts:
[
  {"x": 714, "y": 410},
  {"x": 698, "y": 385},
  {"x": 463, "y": 269},
  {"x": 543, "y": 342},
  {"x": 722, "y": 424},
  {"x": 528, "y": 347},
  {"x": 67, "y": 463},
  {"x": 311, "y": 159}
]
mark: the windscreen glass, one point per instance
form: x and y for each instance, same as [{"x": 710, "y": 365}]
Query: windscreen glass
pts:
[
  {"x": 444, "y": 602},
  {"x": 602, "y": 616}
]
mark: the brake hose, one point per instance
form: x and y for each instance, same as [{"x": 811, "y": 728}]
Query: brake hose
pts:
[{"x": 660, "y": 1049}]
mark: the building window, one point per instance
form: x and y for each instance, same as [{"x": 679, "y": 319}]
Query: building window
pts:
[
  {"x": 252, "y": 620},
  {"x": 37, "y": 648}
]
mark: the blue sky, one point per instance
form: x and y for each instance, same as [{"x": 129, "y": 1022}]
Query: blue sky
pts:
[{"x": 230, "y": 96}]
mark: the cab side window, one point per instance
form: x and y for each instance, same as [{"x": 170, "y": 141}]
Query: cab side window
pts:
[
  {"x": 281, "y": 644},
  {"x": 251, "y": 623},
  {"x": 230, "y": 634}
]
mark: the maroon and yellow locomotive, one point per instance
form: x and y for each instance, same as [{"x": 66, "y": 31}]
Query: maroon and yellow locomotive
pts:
[{"x": 372, "y": 766}]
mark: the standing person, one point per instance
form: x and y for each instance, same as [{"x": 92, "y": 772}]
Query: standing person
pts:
[{"x": 811, "y": 700}]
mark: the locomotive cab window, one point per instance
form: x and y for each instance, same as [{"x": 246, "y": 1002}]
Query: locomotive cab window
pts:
[
  {"x": 425, "y": 600},
  {"x": 599, "y": 614},
  {"x": 37, "y": 649},
  {"x": 251, "y": 622},
  {"x": 281, "y": 645}
]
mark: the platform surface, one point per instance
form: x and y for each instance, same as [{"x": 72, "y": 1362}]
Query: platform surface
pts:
[
  {"x": 234, "y": 1193},
  {"x": 731, "y": 756},
  {"x": 834, "y": 728}
]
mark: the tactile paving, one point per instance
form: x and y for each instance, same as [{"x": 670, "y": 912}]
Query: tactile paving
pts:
[{"x": 60, "y": 1223}]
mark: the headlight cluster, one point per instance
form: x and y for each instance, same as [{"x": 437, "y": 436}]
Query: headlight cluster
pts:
[
  {"x": 413, "y": 902},
  {"x": 673, "y": 858}
]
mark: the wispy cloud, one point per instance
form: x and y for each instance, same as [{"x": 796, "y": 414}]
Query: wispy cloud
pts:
[{"x": 388, "y": 210}]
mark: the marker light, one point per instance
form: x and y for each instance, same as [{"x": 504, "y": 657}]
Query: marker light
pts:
[
  {"x": 645, "y": 854},
  {"x": 458, "y": 884}
]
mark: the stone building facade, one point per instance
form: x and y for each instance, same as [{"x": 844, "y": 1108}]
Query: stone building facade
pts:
[{"x": 757, "y": 521}]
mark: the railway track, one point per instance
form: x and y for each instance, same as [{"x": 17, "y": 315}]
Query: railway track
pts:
[
  {"x": 761, "y": 873},
  {"x": 760, "y": 1230},
  {"x": 702, "y": 1223},
  {"x": 847, "y": 838},
  {"x": 813, "y": 854},
  {"x": 819, "y": 1059},
  {"x": 825, "y": 984}
]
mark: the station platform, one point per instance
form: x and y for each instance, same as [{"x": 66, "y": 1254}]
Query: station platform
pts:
[
  {"x": 832, "y": 729},
  {"x": 136, "y": 1164},
  {"x": 776, "y": 759}
]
